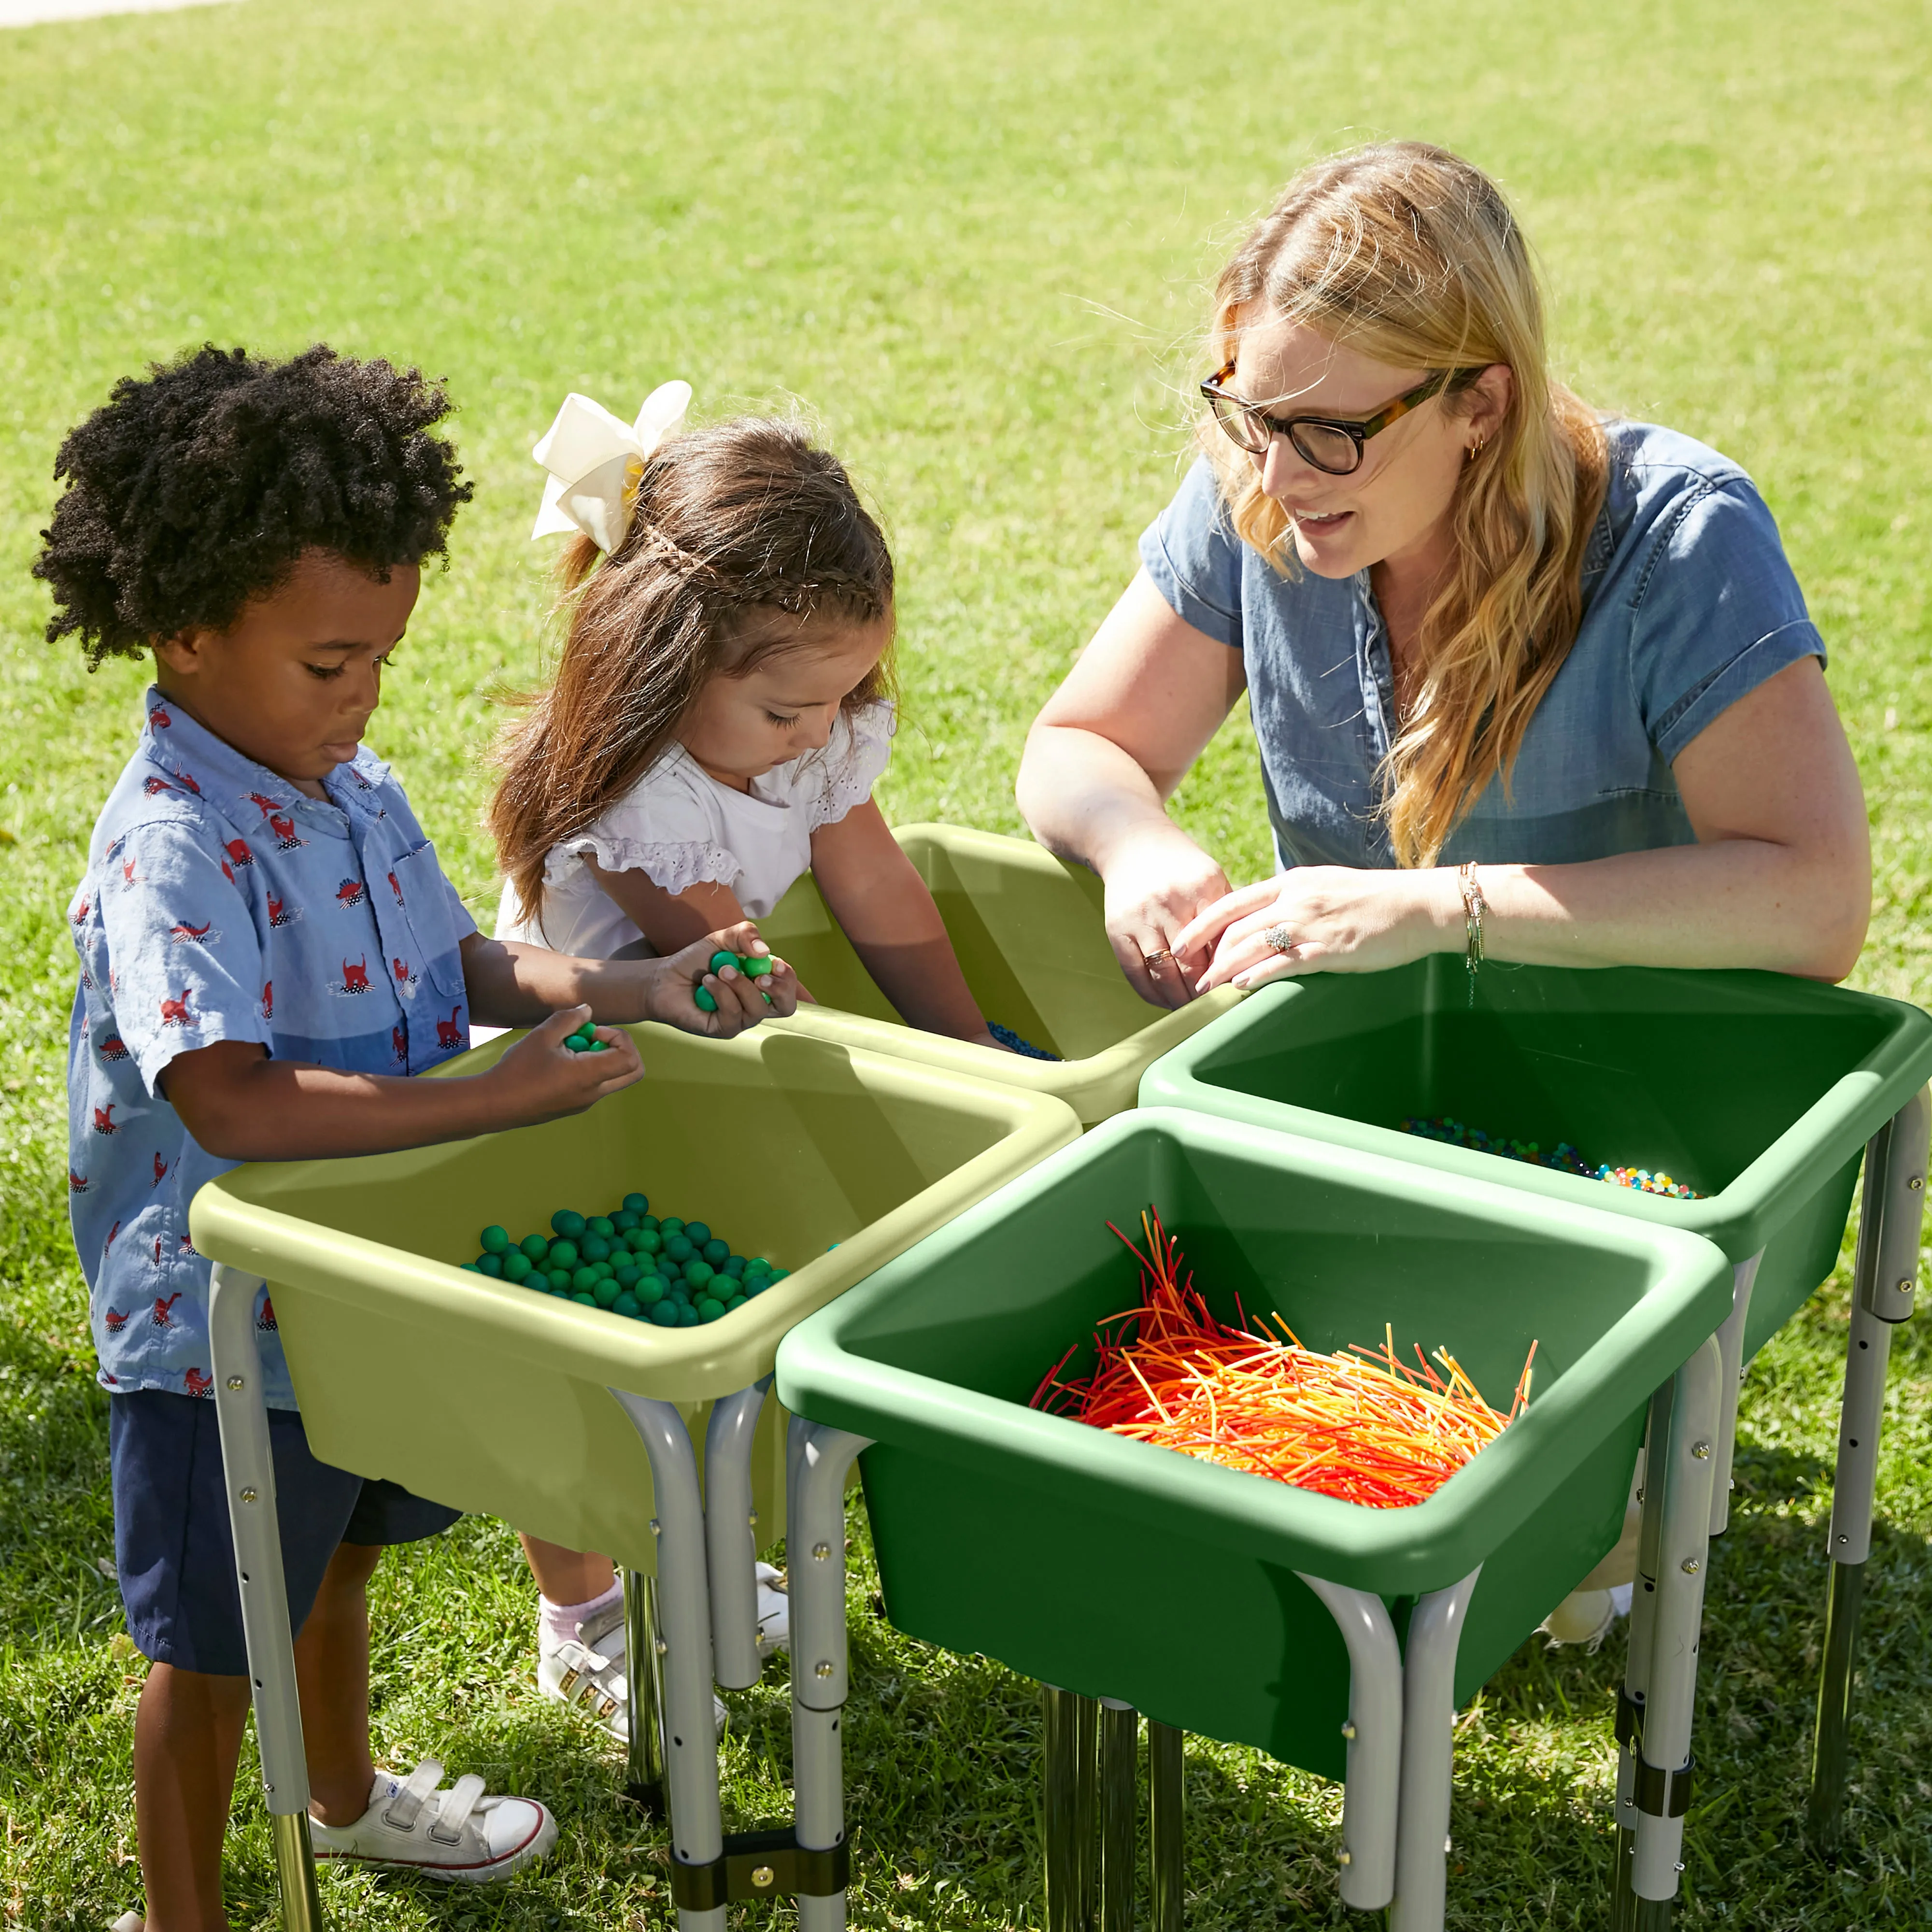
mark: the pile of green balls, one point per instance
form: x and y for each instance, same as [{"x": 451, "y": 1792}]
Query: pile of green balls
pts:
[
  {"x": 753, "y": 965},
  {"x": 675, "y": 1273}
]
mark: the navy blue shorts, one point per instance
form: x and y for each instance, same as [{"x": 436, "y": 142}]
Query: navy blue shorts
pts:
[{"x": 172, "y": 1546}]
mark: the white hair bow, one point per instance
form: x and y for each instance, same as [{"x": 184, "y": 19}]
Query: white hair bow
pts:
[{"x": 595, "y": 462}]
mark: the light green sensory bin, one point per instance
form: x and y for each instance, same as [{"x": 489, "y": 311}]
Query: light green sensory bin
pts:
[
  {"x": 492, "y": 1397},
  {"x": 1028, "y": 931},
  {"x": 1119, "y": 1569},
  {"x": 1757, "y": 1089}
]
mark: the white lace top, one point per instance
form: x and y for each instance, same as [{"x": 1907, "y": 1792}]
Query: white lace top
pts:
[{"x": 681, "y": 828}]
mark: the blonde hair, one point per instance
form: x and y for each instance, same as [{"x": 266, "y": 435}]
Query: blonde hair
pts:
[
  {"x": 742, "y": 536},
  {"x": 1411, "y": 256}
]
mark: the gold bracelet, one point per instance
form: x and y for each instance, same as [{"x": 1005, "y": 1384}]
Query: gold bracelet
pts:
[{"x": 1473, "y": 906}]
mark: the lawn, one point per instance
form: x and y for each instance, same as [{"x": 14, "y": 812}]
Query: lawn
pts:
[{"x": 971, "y": 241}]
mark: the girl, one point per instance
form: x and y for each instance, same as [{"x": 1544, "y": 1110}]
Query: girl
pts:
[{"x": 720, "y": 711}]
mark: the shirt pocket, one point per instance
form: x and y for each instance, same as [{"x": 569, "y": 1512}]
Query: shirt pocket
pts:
[{"x": 427, "y": 904}]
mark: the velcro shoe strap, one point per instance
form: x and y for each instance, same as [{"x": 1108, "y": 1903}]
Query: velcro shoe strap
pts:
[
  {"x": 454, "y": 1812},
  {"x": 402, "y": 1809}
]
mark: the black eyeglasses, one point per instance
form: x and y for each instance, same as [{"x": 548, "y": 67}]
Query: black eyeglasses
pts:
[{"x": 1331, "y": 443}]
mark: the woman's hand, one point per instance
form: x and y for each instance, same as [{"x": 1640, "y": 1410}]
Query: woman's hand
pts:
[
  {"x": 1333, "y": 918},
  {"x": 1157, "y": 887},
  {"x": 671, "y": 985}
]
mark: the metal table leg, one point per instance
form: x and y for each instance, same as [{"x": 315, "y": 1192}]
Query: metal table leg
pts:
[
  {"x": 1371, "y": 1793},
  {"x": 1167, "y": 1824},
  {"x": 691, "y": 1734},
  {"x": 644, "y": 1767},
  {"x": 1119, "y": 1774},
  {"x": 1683, "y": 1473},
  {"x": 1068, "y": 1734},
  {"x": 1636, "y": 1664},
  {"x": 1428, "y": 1757},
  {"x": 730, "y": 1536},
  {"x": 248, "y": 1473},
  {"x": 1731, "y": 1348},
  {"x": 818, "y": 1460},
  {"x": 1885, "y": 1282}
]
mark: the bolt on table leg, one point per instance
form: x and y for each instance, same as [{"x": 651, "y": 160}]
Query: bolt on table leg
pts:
[
  {"x": 1428, "y": 1756},
  {"x": 1885, "y": 1280},
  {"x": 691, "y": 1732},
  {"x": 1371, "y": 1791},
  {"x": 1167, "y": 1832},
  {"x": 644, "y": 1765},
  {"x": 248, "y": 1475},
  {"x": 1120, "y": 1813},
  {"x": 730, "y": 1536},
  {"x": 1684, "y": 1468},
  {"x": 818, "y": 1459}
]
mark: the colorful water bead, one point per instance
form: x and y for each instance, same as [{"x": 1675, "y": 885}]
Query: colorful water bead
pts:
[{"x": 1564, "y": 1157}]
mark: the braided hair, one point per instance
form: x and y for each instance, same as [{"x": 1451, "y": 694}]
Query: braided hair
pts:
[
  {"x": 195, "y": 488},
  {"x": 744, "y": 539}
]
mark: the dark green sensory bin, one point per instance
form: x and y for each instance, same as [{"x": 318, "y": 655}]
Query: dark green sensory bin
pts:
[
  {"x": 1756, "y": 1090},
  {"x": 673, "y": 1273}
]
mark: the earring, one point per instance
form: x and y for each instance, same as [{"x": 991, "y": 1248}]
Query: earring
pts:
[{"x": 1476, "y": 448}]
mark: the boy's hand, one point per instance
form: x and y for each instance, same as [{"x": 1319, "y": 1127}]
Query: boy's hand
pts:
[
  {"x": 671, "y": 988},
  {"x": 539, "y": 1078}
]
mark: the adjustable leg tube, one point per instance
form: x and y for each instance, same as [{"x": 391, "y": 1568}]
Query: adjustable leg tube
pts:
[
  {"x": 690, "y": 1732},
  {"x": 1885, "y": 1285},
  {"x": 1067, "y": 1775},
  {"x": 1371, "y": 1795},
  {"x": 1119, "y": 1808},
  {"x": 1684, "y": 1470},
  {"x": 1166, "y": 1823},
  {"x": 1731, "y": 1348},
  {"x": 248, "y": 1472},
  {"x": 1428, "y": 1757},
  {"x": 644, "y": 1770},
  {"x": 1636, "y": 1664},
  {"x": 818, "y": 1461},
  {"x": 731, "y": 1538}
]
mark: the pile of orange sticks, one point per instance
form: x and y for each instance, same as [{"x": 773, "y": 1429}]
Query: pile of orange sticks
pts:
[{"x": 1359, "y": 1425}]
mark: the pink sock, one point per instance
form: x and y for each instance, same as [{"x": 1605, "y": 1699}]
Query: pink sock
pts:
[{"x": 557, "y": 1623}]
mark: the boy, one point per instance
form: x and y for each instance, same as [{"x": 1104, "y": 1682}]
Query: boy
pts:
[{"x": 268, "y": 950}]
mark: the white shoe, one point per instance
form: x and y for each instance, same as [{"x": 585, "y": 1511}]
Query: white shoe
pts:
[
  {"x": 774, "y": 1611},
  {"x": 588, "y": 1671},
  {"x": 459, "y": 1833},
  {"x": 1587, "y": 1616}
]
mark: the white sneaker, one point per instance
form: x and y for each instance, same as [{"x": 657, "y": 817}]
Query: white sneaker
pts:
[
  {"x": 1587, "y": 1617},
  {"x": 459, "y": 1833},
  {"x": 774, "y": 1611},
  {"x": 588, "y": 1671}
]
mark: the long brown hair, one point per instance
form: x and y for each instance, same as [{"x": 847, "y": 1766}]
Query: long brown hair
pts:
[
  {"x": 1411, "y": 256},
  {"x": 741, "y": 534}
]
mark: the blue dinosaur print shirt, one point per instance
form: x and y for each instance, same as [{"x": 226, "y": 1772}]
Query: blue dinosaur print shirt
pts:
[{"x": 221, "y": 903}]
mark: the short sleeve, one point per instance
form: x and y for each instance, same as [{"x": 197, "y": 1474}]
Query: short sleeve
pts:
[
  {"x": 1193, "y": 557},
  {"x": 853, "y": 761},
  {"x": 1718, "y": 612},
  {"x": 664, "y": 826},
  {"x": 184, "y": 957}
]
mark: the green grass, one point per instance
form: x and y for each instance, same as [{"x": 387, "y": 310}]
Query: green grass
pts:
[{"x": 971, "y": 240}]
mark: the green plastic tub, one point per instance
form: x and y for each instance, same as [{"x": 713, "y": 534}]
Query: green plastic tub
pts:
[
  {"x": 1117, "y": 1569},
  {"x": 1030, "y": 938},
  {"x": 1758, "y": 1090},
  {"x": 494, "y": 1398}
]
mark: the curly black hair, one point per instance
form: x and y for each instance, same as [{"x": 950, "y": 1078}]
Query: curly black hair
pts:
[{"x": 195, "y": 487}]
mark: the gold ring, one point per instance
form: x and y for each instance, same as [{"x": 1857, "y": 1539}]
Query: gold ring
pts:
[{"x": 1155, "y": 957}]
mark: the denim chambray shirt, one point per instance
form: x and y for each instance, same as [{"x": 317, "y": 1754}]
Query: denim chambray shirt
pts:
[
  {"x": 1690, "y": 604},
  {"x": 221, "y": 903}
]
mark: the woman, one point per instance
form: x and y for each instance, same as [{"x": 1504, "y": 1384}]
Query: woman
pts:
[{"x": 1525, "y": 682}]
